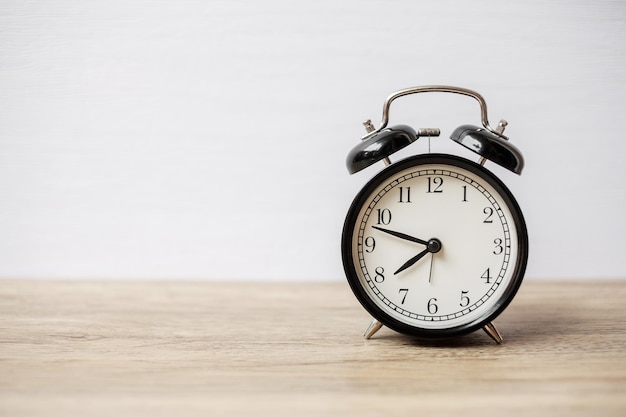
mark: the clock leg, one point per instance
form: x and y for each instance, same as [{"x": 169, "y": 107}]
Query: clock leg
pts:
[
  {"x": 491, "y": 330},
  {"x": 374, "y": 326}
]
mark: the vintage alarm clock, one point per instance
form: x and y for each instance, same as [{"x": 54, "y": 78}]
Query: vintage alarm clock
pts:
[{"x": 435, "y": 245}]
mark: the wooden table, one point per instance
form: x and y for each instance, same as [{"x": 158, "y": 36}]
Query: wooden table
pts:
[{"x": 293, "y": 349}]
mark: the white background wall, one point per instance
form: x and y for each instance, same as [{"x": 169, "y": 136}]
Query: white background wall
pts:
[{"x": 206, "y": 139}]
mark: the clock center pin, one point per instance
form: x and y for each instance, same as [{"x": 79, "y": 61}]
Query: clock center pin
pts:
[{"x": 434, "y": 245}]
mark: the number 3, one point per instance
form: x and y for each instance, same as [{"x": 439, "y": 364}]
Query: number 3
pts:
[{"x": 499, "y": 249}]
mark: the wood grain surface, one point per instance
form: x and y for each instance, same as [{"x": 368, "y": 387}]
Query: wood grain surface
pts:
[{"x": 285, "y": 349}]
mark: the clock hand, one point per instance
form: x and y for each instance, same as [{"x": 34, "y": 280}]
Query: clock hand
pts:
[
  {"x": 411, "y": 261},
  {"x": 433, "y": 246},
  {"x": 401, "y": 235},
  {"x": 430, "y": 273}
]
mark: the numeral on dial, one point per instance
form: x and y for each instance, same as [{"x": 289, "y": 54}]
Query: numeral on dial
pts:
[
  {"x": 489, "y": 212},
  {"x": 486, "y": 276},
  {"x": 379, "y": 277},
  {"x": 499, "y": 249},
  {"x": 405, "y": 194},
  {"x": 384, "y": 216},
  {"x": 434, "y": 185},
  {"x": 432, "y": 307},
  {"x": 403, "y": 292},
  {"x": 370, "y": 244},
  {"x": 465, "y": 301}
]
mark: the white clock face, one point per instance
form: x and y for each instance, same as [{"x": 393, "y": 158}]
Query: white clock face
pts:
[{"x": 436, "y": 246}]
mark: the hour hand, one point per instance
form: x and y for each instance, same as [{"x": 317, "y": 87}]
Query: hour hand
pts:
[
  {"x": 412, "y": 261},
  {"x": 401, "y": 235}
]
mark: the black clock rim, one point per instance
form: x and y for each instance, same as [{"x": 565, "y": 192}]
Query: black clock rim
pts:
[{"x": 350, "y": 267}]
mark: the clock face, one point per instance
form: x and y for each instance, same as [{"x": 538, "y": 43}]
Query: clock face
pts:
[{"x": 434, "y": 245}]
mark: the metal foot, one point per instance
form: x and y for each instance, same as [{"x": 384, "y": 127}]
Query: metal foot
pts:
[
  {"x": 491, "y": 330},
  {"x": 374, "y": 326}
]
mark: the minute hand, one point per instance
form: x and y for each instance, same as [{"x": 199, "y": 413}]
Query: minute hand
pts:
[{"x": 401, "y": 235}]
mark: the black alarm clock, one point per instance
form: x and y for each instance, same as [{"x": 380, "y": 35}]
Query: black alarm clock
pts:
[{"x": 435, "y": 245}]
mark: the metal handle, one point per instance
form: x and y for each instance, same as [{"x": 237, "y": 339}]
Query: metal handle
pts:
[{"x": 437, "y": 89}]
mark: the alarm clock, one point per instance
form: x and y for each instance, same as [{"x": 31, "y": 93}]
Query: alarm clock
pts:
[{"x": 435, "y": 245}]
